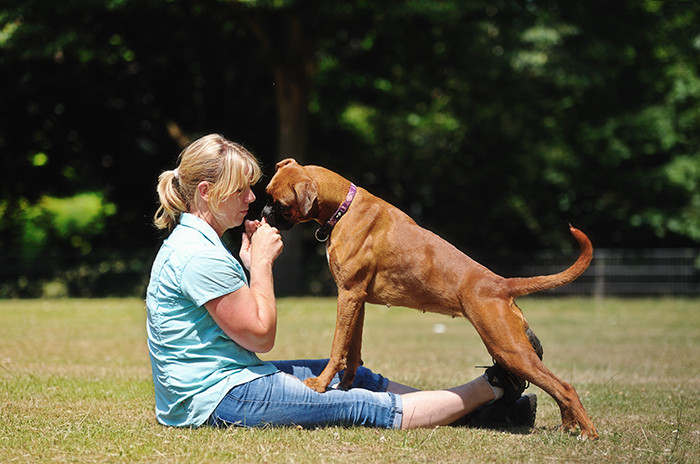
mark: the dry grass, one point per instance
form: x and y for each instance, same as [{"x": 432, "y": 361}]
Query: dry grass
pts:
[{"x": 75, "y": 385}]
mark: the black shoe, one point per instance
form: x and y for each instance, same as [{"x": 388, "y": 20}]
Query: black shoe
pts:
[
  {"x": 535, "y": 342},
  {"x": 500, "y": 416},
  {"x": 512, "y": 385},
  {"x": 523, "y": 411}
]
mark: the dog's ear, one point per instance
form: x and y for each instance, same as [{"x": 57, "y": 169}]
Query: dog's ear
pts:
[
  {"x": 306, "y": 194},
  {"x": 285, "y": 162}
]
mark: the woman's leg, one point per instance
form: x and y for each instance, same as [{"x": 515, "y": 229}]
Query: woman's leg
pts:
[
  {"x": 420, "y": 408},
  {"x": 498, "y": 415},
  {"x": 282, "y": 399},
  {"x": 399, "y": 388},
  {"x": 442, "y": 407}
]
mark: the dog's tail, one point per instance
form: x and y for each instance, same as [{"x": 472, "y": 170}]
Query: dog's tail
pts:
[{"x": 520, "y": 286}]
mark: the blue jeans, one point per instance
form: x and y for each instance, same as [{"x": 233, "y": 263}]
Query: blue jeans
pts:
[{"x": 281, "y": 399}]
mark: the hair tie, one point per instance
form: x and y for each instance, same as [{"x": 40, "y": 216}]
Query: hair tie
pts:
[{"x": 176, "y": 173}]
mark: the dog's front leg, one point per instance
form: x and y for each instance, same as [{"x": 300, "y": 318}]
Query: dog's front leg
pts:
[
  {"x": 350, "y": 314},
  {"x": 354, "y": 355}
]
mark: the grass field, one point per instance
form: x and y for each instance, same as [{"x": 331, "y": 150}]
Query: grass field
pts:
[{"x": 75, "y": 385}]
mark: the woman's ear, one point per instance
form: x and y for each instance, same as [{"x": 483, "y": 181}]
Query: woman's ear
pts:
[
  {"x": 203, "y": 190},
  {"x": 201, "y": 197}
]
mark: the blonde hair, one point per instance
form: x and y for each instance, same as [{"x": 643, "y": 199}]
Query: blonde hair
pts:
[{"x": 226, "y": 165}]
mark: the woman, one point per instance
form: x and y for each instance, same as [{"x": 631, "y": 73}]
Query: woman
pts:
[{"x": 206, "y": 321}]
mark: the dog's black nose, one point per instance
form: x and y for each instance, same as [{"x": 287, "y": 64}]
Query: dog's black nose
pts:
[{"x": 268, "y": 213}]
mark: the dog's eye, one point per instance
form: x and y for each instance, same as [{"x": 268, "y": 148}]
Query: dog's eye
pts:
[{"x": 282, "y": 208}]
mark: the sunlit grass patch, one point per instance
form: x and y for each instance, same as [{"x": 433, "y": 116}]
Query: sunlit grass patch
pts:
[{"x": 75, "y": 385}]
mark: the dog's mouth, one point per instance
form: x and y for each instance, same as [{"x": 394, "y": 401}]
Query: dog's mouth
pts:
[{"x": 277, "y": 215}]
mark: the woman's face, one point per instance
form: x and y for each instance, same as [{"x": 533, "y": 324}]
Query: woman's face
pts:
[{"x": 233, "y": 210}]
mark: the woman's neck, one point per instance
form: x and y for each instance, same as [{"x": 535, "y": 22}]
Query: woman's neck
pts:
[{"x": 207, "y": 216}]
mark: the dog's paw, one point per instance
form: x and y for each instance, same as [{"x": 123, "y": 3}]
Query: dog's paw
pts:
[
  {"x": 343, "y": 385},
  {"x": 315, "y": 384},
  {"x": 589, "y": 435}
]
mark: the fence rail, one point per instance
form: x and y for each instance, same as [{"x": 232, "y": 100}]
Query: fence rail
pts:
[{"x": 620, "y": 272}]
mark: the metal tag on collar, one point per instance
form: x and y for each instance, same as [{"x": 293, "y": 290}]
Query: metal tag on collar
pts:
[{"x": 321, "y": 234}]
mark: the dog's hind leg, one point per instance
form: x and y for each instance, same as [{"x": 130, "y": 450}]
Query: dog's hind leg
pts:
[
  {"x": 572, "y": 411},
  {"x": 505, "y": 337},
  {"x": 569, "y": 418}
]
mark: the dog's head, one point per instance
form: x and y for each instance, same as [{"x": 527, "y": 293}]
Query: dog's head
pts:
[{"x": 292, "y": 196}]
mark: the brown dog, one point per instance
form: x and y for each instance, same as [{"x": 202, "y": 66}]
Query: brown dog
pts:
[{"x": 377, "y": 254}]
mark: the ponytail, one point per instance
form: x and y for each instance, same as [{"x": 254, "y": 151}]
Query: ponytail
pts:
[{"x": 171, "y": 203}]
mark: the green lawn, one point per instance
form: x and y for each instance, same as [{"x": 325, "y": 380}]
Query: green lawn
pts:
[{"x": 75, "y": 385}]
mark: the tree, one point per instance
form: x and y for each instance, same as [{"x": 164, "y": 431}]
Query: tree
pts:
[
  {"x": 492, "y": 122},
  {"x": 496, "y": 123}
]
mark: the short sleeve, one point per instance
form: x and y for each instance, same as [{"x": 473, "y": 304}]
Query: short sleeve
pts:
[{"x": 211, "y": 274}]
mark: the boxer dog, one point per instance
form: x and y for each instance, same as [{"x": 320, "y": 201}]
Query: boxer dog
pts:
[{"x": 377, "y": 254}]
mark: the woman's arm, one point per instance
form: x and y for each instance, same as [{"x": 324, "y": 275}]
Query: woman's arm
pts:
[{"x": 249, "y": 315}]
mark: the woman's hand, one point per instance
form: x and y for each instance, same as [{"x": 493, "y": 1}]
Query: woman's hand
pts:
[
  {"x": 244, "y": 254},
  {"x": 260, "y": 241}
]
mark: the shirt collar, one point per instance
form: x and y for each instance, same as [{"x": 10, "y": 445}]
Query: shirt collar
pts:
[{"x": 200, "y": 225}]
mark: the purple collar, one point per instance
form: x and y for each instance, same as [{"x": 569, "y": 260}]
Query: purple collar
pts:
[{"x": 323, "y": 232}]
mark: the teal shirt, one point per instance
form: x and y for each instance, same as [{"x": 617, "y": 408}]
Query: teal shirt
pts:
[{"x": 194, "y": 362}]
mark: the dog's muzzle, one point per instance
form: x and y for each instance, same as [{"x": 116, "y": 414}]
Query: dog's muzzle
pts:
[
  {"x": 274, "y": 218},
  {"x": 268, "y": 213}
]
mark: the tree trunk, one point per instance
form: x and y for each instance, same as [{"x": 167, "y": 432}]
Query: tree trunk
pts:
[
  {"x": 291, "y": 53},
  {"x": 292, "y": 104}
]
